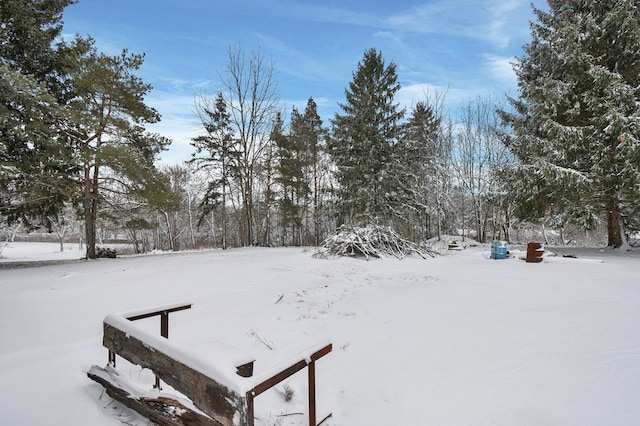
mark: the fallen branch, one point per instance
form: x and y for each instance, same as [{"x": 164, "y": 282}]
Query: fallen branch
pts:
[
  {"x": 289, "y": 414},
  {"x": 268, "y": 343}
]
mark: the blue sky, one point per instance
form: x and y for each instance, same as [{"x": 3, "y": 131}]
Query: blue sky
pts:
[{"x": 459, "y": 47}]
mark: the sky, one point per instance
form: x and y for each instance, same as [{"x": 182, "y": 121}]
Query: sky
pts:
[{"x": 459, "y": 49}]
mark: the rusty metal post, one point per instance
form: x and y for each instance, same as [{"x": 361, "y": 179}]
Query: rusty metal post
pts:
[
  {"x": 164, "y": 332},
  {"x": 112, "y": 359},
  {"x": 164, "y": 324},
  {"x": 288, "y": 372},
  {"x": 250, "y": 409},
  {"x": 312, "y": 393}
]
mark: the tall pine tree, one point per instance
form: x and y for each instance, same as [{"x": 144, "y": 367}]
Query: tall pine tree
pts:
[
  {"x": 216, "y": 152},
  {"x": 30, "y": 41},
  {"x": 417, "y": 169},
  {"x": 37, "y": 165},
  {"x": 362, "y": 142},
  {"x": 105, "y": 123},
  {"x": 314, "y": 136},
  {"x": 576, "y": 123}
]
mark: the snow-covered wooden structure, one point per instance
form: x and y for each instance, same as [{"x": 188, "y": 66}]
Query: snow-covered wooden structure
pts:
[{"x": 220, "y": 388}]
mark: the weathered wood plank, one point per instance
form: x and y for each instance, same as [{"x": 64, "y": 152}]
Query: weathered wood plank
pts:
[
  {"x": 217, "y": 400},
  {"x": 162, "y": 411}
]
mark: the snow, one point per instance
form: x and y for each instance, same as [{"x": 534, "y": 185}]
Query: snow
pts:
[
  {"x": 19, "y": 251},
  {"x": 460, "y": 339}
]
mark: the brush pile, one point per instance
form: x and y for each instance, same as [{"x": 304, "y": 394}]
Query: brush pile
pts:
[{"x": 371, "y": 241}]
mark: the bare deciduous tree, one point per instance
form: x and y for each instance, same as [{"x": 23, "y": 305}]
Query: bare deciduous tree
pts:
[
  {"x": 477, "y": 152},
  {"x": 253, "y": 99}
]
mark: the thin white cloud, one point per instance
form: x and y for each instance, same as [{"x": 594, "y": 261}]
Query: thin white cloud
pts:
[
  {"x": 179, "y": 123},
  {"x": 176, "y": 104},
  {"x": 451, "y": 97},
  {"x": 323, "y": 13},
  {"x": 441, "y": 17},
  {"x": 391, "y": 36},
  {"x": 498, "y": 22},
  {"x": 500, "y": 68},
  {"x": 500, "y": 19},
  {"x": 180, "y": 132}
]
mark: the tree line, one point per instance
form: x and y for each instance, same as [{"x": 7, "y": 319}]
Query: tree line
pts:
[{"x": 563, "y": 153}]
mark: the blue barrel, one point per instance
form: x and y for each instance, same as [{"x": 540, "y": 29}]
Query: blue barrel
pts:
[{"x": 499, "y": 250}]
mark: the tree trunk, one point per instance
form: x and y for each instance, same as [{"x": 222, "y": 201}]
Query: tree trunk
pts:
[
  {"x": 169, "y": 231},
  {"x": 248, "y": 211},
  {"x": 507, "y": 227},
  {"x": 90, "y": 211},
  {"x": 15, "y": 230},
  {"x": 615, "y": 229},
  {"x": 477, "y": 212},
  {"x": 192, "y": 231},
  {"x": 224, "y": 219},
  {"x": 90, "y": 228},
  {"x": 544, "y": 234},
  {"x": 316, "y": 206}
]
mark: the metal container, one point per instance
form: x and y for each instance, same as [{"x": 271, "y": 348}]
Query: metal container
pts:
[{"x": 534, "y": 252}]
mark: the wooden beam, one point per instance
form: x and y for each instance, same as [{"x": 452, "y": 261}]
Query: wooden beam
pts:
[
  {"x": 215, "y": 399},
  {"x": 162, "y": 411}
]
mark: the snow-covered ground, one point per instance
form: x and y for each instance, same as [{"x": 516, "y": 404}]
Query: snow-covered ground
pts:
[
  {"x": 456, "y": 340},
  {"x": 19, "y": 252}
]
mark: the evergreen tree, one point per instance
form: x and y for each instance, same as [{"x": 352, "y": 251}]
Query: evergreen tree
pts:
[
  {"x": 313, "y": 136},
  {"x": 290, "y": 168},
  {"x": 267, "y": 186},
  {"x": 416, "y": 168},
  {"x": 362, "y": 142},
  {"x": 105, "y": 124},
  {"x": 37, "y": 165},
  {"x": 30, "y": 42},
  {"x": 216, "y": 152},
  {"x": 36, "y": 176},
  {"x": 576, "y": 123}
]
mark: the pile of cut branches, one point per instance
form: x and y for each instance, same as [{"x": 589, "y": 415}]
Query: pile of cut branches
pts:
[{"x": 370, "y": 241}]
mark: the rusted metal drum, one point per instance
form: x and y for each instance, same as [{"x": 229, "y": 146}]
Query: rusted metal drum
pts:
[{"x": 534, "y": 252}]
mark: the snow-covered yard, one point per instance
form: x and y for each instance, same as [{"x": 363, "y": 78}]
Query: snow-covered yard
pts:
[{"x": 456, "y": 340}]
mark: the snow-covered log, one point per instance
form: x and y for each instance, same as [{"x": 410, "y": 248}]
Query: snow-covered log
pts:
[
  {"x": 371, "y": 241},
  {"x": 162, "y": 410},
  {"x": 214, "y": 389}
]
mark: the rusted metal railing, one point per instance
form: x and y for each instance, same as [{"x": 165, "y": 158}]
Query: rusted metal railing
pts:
[
  {"x": 164, "y": 326},
  {"x": 220, "y": 401},
  {"x": 288, "y": 372}
]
